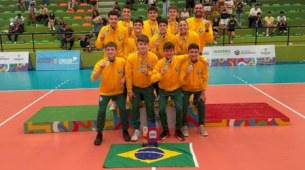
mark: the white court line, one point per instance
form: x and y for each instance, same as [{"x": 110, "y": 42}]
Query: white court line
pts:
[
  {"x": 29, "y": 105},
  {"x": 194, "y": 156},
  {"x": 153, "y": 168},
  {"x": 281, "y": 103},
  {"x": 274, "y": 99},
  {"x": 94, "y": 88}
]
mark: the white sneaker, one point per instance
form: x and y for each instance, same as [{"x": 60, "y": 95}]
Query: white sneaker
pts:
[
  {"x": 113, "y": 106},
  {"x": 203, "y": 131},
  {"x": 231, "y": 41},
  {"x": 136, "y": 135},
  {"x": 185, "y": 131},
  {"x": 215, "y": 42}
]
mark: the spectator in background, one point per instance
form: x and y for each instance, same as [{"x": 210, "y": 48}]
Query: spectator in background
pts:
[
  {"x": 85, "y": 1},
  {"x": 207, "y": 8},
  {"x": 151, "y": 3},
  {"x": 97, "y": 22},
  {"x": 21, "y": 4},
  {"x": 281, "y": 22},
  {"x": 20, "y": 22},
  {"x": 190, "y": 4},
  {"x": 232, "y": 23},
  {"x": 269, "y": 22},
  {"x": 43, "y": 14},
  {"x": 253, "y": 13},
  {"x": 184, "y": 14},
  {"x": 60, "y": 29},
  {"x": 45, "y": 2},
  {"x": 215, "y": 4},
  {"x": 84, "y": 42},
  {"x": 72, "y": 4},
  {"x": 239, "y": 12},
  {"x": 32, "y": 14},
  {"x": 117, "y": 8},
  {"x": 258, "y": 20},
  {"x": 51, "y": 22},
  {"x": 223, "y": 19},
  {"x": 215, "y": 25},
  {"x": 68, "y": 38},
  {"x": 13, "y": 30},
  {"x": 166, "y": 4},
  {"x": 229, "y": 6},
  {"x": 94, "y": 4}
]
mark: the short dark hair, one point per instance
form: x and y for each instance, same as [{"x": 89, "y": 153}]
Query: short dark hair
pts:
[
  {"x": 111, "y": 44},
  {"x": 113, "y": 12},
  {"x": 269, "y": 12},
  {"x": 282, "y": 12},
  {"x": 175, "y": 7},
  {"x": 139, "y": 20},
  {"x": 168, "y": 45},
  {"x": 162, "y": 20},
  {"x": 193, "y": 46},
  {"x": 143, "y": 38},
  {"x": 127, "y": 7},
  {"x": 152, "y": 8}
]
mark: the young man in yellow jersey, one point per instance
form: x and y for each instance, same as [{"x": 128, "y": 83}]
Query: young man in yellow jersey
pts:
[
  {"x": 167, "y": 73},
  {"x": 151, "y": 24},
  {"x": 158, "y": 40},
  {"x": 112, "y": 71},
  {"x": 194, "y": 76},
  {"x": 139, "y": 67},
  {"x": 201, "y": 26},
  {"x": 185, "y": 37},
  {"x": 132, "y": 40},
  {"x": 172, "y": 19},
  {"x": 126, "y": 22},
  {"x": 112, "y": 32}
]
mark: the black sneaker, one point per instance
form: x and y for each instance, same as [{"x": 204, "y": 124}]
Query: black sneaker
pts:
[
  {"x": 179, "y": 135},
  {"x": 165, "y": 134},
  {"x": 98, "y": 139},
  {"x": 126, "y": 135}
]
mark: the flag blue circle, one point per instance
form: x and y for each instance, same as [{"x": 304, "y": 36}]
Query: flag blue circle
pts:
[{"x": 149, "y": 154}]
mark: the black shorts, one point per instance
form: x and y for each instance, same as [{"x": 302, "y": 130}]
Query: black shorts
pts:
[
  {"x": 190, "y": 3},
  {"x": 231, "y": 30}
]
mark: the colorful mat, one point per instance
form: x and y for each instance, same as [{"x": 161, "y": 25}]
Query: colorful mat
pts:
[
  {"x": 83, "y": 118},
  {"x": 165, "y": 155}
]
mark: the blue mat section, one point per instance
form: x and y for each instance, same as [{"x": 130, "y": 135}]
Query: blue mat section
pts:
[{"x": 32, "y": 80}]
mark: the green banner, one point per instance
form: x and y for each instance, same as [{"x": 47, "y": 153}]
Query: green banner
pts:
[{"x": 165, "y": 155}]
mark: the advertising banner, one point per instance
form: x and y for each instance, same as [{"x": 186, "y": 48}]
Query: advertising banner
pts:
[
  {"x": 14, "y": 61},
  {"x": 58, "y": 60},
  {"x": 240, "y": 55}
]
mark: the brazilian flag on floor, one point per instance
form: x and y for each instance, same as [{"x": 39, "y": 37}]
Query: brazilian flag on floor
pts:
[{"x": 165, "y": 155}]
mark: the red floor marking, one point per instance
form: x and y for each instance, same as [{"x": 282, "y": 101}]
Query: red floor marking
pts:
[{"x": 230, "y": 148}]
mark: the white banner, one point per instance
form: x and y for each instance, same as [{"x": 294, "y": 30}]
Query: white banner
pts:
[
  {"x": 235, "y": 55},
  {"x": 251, "y": 51},
  {"x": 14, "y": 57}
]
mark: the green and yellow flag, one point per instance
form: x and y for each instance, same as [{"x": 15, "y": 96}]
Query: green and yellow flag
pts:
[{"x": 165, "y": 155}]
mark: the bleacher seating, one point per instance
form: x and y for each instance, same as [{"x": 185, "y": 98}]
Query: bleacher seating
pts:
[{"x": 80, "y": 19}]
